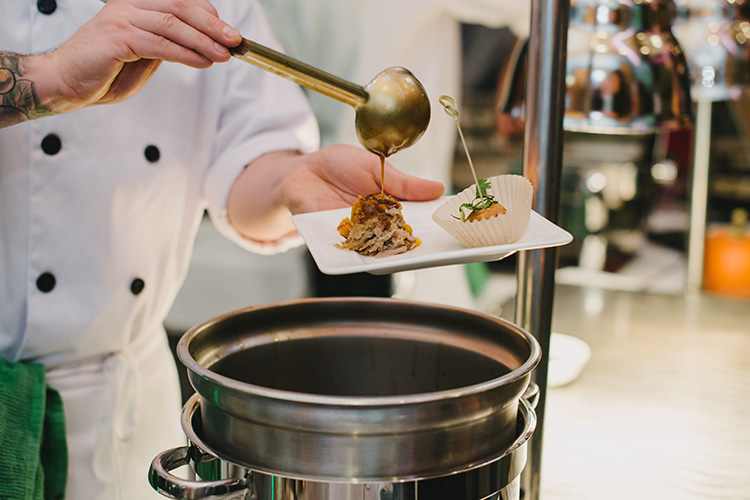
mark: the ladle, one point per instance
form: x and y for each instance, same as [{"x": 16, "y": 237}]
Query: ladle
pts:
[{"x": 392, "y": 111}]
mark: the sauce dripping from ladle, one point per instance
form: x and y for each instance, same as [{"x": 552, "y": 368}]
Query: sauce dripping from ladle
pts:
[
  {"x": 392, "y": 111},
  {"x": 382, "y": 174}
]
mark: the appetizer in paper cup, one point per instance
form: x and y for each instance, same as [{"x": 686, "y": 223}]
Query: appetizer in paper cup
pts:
[{"x": 496, "y": 212}]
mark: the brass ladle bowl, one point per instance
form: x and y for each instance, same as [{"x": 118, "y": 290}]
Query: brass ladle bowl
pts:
[{"x": 392, "y": 111}]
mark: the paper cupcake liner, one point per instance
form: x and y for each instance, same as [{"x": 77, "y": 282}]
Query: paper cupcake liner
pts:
[{"x": 514, "y": 192}]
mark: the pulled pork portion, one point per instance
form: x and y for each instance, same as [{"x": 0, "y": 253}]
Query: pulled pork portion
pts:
[{"x": 376, "y": 227}]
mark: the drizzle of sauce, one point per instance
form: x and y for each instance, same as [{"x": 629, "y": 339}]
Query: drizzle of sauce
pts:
[{"x": 382, "y": 174}]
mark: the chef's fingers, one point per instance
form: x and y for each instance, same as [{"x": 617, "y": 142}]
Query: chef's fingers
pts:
[
  {"x": 198, "y": 14},
  {"x": 174, "y": 42},
  {"x": 367, "y": 167},
  {"x": 166, "y": 5},
  {"x": 409, "y": 187},
  {"x": 354, "y": 171},
  {"x": 172, "y": 5},
  {"x": 190, "y": 35}
]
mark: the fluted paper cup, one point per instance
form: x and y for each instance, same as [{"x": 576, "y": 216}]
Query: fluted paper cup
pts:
[{"x": 514, "y": 192}]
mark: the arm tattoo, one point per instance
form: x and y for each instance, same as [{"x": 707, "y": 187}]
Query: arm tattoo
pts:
[{"x": 18, "y": 100}]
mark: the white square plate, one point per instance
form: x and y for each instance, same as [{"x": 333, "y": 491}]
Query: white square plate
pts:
[{"x": 438, "y": 248}]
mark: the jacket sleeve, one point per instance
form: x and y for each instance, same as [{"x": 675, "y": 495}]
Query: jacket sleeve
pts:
[{"x": 260, "y": 112}]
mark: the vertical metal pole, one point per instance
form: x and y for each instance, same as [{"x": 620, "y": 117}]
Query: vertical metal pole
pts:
[
  {"x": 699, "y": 196},
  {"x": 543, "y": 151}
]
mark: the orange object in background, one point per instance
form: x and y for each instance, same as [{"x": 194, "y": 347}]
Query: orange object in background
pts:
[{"x": 726, "y": 266}]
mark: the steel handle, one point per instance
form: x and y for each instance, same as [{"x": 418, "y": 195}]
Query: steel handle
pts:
[
  {"x": 532, "y": 394},
  {"x": 301, "y": 73},
  {"x": 171, "y": 486},
  {"x": 530, "y": 424}
]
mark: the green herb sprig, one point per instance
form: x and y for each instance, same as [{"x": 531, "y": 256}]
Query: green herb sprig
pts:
[{"x": 482, "y": 199}]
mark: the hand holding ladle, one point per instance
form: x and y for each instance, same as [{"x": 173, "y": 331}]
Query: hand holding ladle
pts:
[{"x": 392, "y": 111}]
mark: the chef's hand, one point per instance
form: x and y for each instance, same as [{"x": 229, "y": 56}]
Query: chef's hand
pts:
[
  {"x": 113, "y": 55},
  {"x": 277, "y": 185}
]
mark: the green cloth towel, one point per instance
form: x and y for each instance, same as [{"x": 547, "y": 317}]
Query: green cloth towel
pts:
[{"x": 33, "y": 448}]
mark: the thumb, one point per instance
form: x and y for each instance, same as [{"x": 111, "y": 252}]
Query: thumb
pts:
[{"x": 411, "y": 188}]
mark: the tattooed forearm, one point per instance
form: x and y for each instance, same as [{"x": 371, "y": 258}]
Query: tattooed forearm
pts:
[{"x": 18, "y": 99}]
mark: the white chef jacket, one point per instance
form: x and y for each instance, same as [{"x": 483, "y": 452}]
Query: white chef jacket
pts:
[
  {"x": 98, "y": 211},
  {"x": 357, "y": 39}
]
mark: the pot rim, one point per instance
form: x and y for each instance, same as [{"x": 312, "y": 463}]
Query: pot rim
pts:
[{"x": 246, "y": 389}]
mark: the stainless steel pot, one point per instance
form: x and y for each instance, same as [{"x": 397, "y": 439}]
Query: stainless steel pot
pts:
[
  {"x": 222, "y": 480},
  {"x": 358, "y": 390}
]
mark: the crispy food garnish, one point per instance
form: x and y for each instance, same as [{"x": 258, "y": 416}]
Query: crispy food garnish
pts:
[
  {"x": 486, "y": 213},
  {"x": 482, "y": 201}
]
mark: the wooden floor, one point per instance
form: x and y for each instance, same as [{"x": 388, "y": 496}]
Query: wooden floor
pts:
[{"x": 662, "y": 408}]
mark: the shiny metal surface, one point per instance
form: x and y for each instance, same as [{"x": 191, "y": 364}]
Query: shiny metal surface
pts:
[
  {"x": 606, "y": 197},
  {"x": 716, "y": 40},
  {"x": 495, "y": 480},
  {"x": 396, "y": 115},
  {"x": 358, "y": 389},
  {"x": 715, "y": 37},
  {"x": 542, "y": 165},
  {"x": 392, "y": 111},
  {"x": 161, "y": 479},
  {"x": 626, "y": 72},
  {"x": 699, "y": 179}
]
